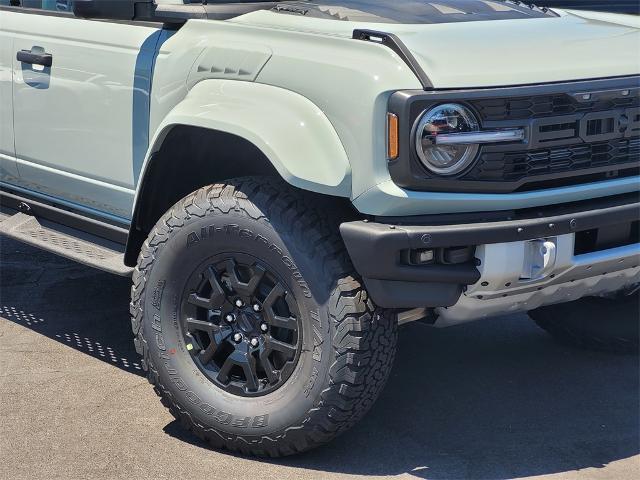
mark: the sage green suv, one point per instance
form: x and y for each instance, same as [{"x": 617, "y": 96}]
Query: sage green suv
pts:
[{"x": 287, "y": 182}]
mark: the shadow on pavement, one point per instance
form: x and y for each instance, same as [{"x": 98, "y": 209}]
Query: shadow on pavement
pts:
[
  {"x": 83, "y": 308},
  {"x": 491, "y": 400}
]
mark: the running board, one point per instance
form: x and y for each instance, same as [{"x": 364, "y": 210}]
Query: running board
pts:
[{"x": 67, "y": 242}]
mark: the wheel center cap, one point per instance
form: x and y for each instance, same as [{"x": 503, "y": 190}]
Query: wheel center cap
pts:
[{"x": 246, "y": 322}]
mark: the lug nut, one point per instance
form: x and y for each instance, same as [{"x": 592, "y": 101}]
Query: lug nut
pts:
[
  {"x": 230, "y": 318},
  {"x": 239, "y": 303},
  {"x": 256, "y": 307},
  {"x": 237, "y": 338},
  {"x": 254, "y": 342},
  {"x": 264, "y": 327}
]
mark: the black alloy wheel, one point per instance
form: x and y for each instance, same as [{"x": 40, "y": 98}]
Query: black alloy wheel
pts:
[{"x": 241, "y": 325}]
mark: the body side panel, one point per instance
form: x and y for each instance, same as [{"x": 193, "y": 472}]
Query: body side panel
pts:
[{"x": 81, "y": 126}]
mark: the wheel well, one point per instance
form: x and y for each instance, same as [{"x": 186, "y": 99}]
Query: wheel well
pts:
[{"x": 191, "y": 158}]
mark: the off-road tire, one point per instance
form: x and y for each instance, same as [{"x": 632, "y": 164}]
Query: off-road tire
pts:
[
  {"x": 604, "y": 324},
  {"x": 350, "y": 346}
]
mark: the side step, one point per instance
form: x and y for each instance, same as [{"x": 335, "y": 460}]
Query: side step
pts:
[{"x": 66, "y": 242}]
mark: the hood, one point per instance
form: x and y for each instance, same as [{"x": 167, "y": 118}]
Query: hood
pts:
[
  {"x": 555, "y": 47},
  {"x": 573, "y": 46}
]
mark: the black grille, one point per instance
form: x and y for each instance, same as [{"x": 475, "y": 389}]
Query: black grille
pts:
[
  {"x": 524, "y": 108},
  {"x": 574, "y": 133},
  {"x": 515, "y": 166}
]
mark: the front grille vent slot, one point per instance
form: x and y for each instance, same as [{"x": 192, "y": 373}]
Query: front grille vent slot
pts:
[
  {"x": 524, "y": 108},
  {"x": 515, "y": 166}
]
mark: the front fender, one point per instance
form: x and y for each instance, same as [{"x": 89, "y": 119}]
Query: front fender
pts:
[{"x": 291, "y": 131}]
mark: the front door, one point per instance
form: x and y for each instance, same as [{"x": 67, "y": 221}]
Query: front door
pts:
[{"x": 81, "y": 106}]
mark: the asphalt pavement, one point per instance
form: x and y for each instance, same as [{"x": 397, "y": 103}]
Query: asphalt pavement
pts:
[{"x": 491, "y": 400}]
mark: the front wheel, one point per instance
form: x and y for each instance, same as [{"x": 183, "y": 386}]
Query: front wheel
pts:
[
  {"x": 253, "y": 328},
  {"x": 606, "y": 324}
]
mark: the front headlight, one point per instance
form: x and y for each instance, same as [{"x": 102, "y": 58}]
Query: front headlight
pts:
[{"x": 446, "y": 158}]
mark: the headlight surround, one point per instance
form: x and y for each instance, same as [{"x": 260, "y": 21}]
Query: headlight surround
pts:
[{"x": 449, "y": 118}]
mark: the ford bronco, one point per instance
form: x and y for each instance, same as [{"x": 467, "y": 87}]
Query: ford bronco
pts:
[{"x": 287, "y": 182}]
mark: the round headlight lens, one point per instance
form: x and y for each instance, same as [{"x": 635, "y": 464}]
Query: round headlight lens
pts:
[{"x": 446, "y": 119}]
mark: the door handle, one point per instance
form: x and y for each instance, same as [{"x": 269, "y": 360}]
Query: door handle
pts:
[{"x": 44, "y": 59}]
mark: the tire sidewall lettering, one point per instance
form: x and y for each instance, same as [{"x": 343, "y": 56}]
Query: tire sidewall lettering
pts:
[{"x": 213, "y": 231}]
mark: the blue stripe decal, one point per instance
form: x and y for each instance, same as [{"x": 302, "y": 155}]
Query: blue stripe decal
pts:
[{"x": 142, "y": 85}]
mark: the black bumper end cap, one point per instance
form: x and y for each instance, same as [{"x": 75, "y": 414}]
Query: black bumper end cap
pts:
[{"x": 407, "y": 295}]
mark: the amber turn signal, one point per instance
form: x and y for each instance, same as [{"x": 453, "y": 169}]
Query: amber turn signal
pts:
[{"x": 392, "y": 136}]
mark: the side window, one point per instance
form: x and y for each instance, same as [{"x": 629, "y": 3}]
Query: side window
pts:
[
  {"x": 53, "y": 5},
  {"x": 58, "y": 5}
]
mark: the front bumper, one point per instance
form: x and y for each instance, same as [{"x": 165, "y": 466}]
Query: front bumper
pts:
[
  {"x": 499, "y": 290},
  {"x": 497, "y": 244}
]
